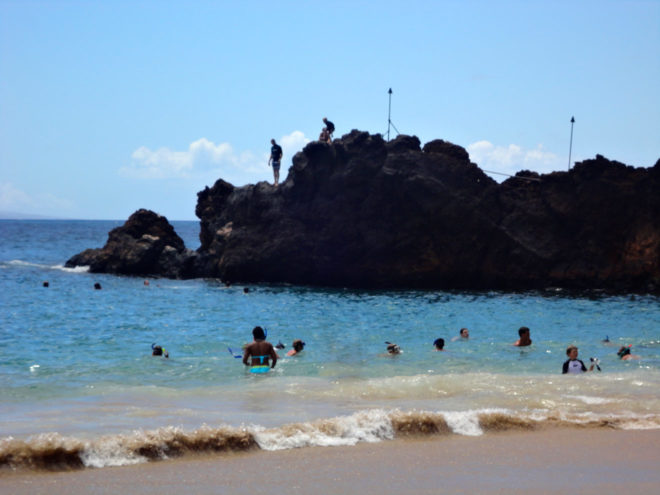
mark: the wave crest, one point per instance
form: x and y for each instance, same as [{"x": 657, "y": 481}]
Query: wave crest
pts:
[{"x": 55, "y": 452}]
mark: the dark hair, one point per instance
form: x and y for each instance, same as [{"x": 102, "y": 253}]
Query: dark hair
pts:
[
  {"x": 298, "y": 345},
  {"x": 439, "y": 343},
  {"x": 258, "y": 333},
  {"x": 393, "y": 348},
  {"x": 522, "y": 330},
  {"x": 460, "y": 332},
  {"x": 623, "y": 351},
  {"x": 570, "y": 348}
]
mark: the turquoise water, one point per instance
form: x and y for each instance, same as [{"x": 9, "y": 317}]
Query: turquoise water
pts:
[{"x": 76, "y": 361}]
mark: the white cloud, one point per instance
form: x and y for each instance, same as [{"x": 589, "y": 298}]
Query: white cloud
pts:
[
  {"x": 203, "y": 157},
  {"x": 13, "y": 199},
  {"x": 512, "y": 158},
  {"x": 293, "y": 143}
]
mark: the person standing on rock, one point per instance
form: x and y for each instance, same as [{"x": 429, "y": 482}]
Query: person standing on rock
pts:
[{"x": 274, "y": 161}]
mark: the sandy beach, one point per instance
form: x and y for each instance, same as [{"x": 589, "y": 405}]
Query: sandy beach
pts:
[{"x": 585, "y": 461}]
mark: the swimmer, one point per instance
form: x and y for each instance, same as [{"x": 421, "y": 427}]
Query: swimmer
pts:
[
  {"x": 573, "y": 365},
  {"x": 259, "y": 353},
  {"x": 624, "y": 353},
  {"x": 524, "y": 340},
  {"x": 464, "y": 334},
  {"x": 157, "y": 350},
  {"x": 298, "y": 345},
  {"x": 246, "y": 290},
  {"x": 97, "y": 286},
  {"x": 393, "y": 348},
  {"x": 439, "y": 344},
  {"x": 146, "y": 283},
  {"x": 46, "y": 284}
]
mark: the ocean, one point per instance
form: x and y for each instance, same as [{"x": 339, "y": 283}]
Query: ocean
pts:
[{"x": 79, "y": 387}]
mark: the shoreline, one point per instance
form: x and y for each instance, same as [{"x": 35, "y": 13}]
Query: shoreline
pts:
[{"x": 549, "y": 460}]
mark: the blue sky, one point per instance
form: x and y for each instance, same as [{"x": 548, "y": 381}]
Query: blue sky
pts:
[{"x": 107, "y": 107}]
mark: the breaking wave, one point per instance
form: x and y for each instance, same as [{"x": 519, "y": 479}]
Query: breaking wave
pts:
[
  {"x": 77, "y": 269},
  {"x": 54, "y": 452}
]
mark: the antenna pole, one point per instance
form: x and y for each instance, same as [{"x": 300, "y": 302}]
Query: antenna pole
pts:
[
  {"x": 570, "y": 147},
  {"x": 389, "y": 115}
]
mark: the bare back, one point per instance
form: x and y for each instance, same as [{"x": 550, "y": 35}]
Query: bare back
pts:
[{"x": 261, "y": 353}]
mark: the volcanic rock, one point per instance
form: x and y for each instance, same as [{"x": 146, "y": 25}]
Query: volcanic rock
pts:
[
  {"x": 145, "y": 245},
  {"x": 363, "y": 212}
]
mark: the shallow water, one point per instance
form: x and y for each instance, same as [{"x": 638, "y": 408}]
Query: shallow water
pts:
[{"x": 76, "y": 362}]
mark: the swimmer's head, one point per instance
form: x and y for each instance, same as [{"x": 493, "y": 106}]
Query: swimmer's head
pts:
[
  {"x": 439, "y": 344},
  {"x": 393, "y": 349},
  {"x": 298, "y": 345},
  {"x": 623, "y": 351},
  {"x": 465, "y": 333},
  {"x": 570, "y": 349},
  {"x": 157, "y": 350},
  {"x": 258, "y": 333},
  {"x": 522, "y": 331}
]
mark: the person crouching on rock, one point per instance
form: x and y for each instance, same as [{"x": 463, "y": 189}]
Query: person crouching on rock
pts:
[{"x": 329, "y": 129}]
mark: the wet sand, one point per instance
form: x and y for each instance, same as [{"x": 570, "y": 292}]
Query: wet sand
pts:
[{"x": 584, "y": 461}]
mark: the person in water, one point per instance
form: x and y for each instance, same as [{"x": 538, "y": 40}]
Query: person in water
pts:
[
  {"x": 157, "y": 350},
  {"x": 524, "y": 340},
  {"x": 259, "y": 353},
  {"x": 624, "y": 353},
  {"x": 393, "y": 348},
  {"x": 298, "y": 345},
  {"x": 464, "y": 334},
  {"x": 439, "y": 344},
  {"x": 574, "y": 365}
]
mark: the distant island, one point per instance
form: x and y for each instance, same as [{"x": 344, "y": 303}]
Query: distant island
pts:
[{"x": 363, "y": 212}]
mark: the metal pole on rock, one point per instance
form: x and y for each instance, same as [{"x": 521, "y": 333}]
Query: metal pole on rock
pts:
[
  {"x": 389, "y": 115},
  {"x": 570, "y": 147}
]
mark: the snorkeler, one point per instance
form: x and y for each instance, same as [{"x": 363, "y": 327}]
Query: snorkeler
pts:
[
  {"x": 298, "y": 345},
  {"x": 624, "y": 353},
  {"x": 393, "y": 348},
  {"x": 157, "y": 350},
  {"x": 261, "y": 353}
]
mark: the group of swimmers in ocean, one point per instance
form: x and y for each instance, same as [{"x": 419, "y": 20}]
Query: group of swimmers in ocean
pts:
[
  {"x": 261, "y": 356},
  {"x": 572, "y": 365},
  {"x": 524, "y": 340}
]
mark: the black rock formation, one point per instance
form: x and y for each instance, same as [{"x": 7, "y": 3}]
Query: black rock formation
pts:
[
  {"x": 362, "y": 212},
  {"x": 145, "y": 245}
]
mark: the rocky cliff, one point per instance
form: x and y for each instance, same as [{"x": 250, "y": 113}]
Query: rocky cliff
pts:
[{"x": 363, "y": 212}]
